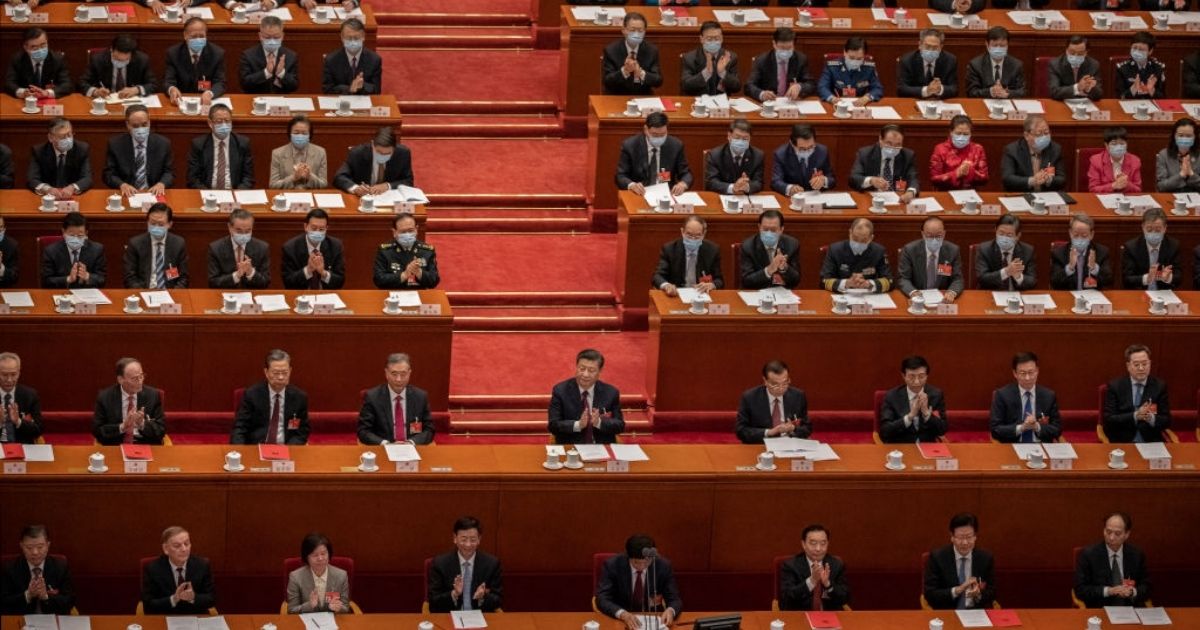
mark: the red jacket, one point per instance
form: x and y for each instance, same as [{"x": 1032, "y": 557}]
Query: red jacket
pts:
[
  {"x": 944, "y": 163},
  {"x": 1100, "y": 173}
]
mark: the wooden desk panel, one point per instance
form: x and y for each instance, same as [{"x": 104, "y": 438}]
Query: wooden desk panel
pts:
[
  {"x": 361, "y": 234},
  {"x": 334, "y": 133}
]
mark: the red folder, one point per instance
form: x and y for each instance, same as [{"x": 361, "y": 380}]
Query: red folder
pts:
[
  {"x": 817, "y": 13},
  {"x": 823, "y": 620},
  {"x": 668, "y": 104},
  {"x": 136, "y": 452},
  {"x": 1003, "y": 618},
  {"x": 42, "y": 102},
  {"x": 272, "y": 452},
  {"x": 934, "y": 450},
  {"x": 127, "y": 9},
  {"x": 680, "y": 10},
  {"x": 14, "y": 451},
  {"x": 890, "y": 12},
  {"x": 1170, "y": 105}
]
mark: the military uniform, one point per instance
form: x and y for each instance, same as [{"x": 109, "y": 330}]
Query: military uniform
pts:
[
  {"x": 840, "y": 263},
  {"x": 391, "y": 260},
  {"x": 1128, "y": 71},
  {"x": 838, "y": 81}
]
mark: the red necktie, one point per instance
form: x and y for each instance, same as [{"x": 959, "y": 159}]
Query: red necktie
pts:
[
  {"x": 781, "y": 79},
  {"x": 776, "y": 414},
  {"x": 818, "y": 587},
  {"x": 586, "y": 417},
  {"x": 276, "y": 414},
  {"x": 129, "y": 411},
  {"x": 398, "y": 432},
  {"x": 315, "y": 281},
  {"x": 639, "y": 593}
]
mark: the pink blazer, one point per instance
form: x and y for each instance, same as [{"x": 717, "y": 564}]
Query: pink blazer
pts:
[{"x": 1100, "y": 173}]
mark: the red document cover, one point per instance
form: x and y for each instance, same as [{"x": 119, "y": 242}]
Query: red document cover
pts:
[
  {"x": 1170, "y": 105},
  {"x": 823, "y": 620},
  {"x": 1003, "y": 618},
  {"x": 136, "y": 452},
  {"x": 668, "y": 104},
  {"x": 817, "y": 13},
  {"x": 14, "y": 451},
  {"x": 934, "y": 450},
  {"x": 272, "y": 452},
  {"x": 127, "y": 9}
]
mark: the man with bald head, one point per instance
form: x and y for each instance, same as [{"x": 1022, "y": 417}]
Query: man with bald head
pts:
[
  {"x": 931, "y": 262},
  {"x": 857, "y": 263},
  {"x": 129, "y": 412},
  {"x": 20, "y": 408},
  {"x": 177, "y": 583},
  {"x": 690, "y": 261}
]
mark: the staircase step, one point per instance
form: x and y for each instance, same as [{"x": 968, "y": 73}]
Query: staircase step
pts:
[
  {"x": 405, "y": 18},
  {"x": 531, "y": 421},
  {"x": 490, "y": 220},
  {"x": 494, "y": 108},
  {"x": 502, "y": 202},
  {"x": 541, "y": 317},
  {"x": 482, "y": 127},
  {"x": 504, "y": 37},
  {"x": 582, "y": 299}
]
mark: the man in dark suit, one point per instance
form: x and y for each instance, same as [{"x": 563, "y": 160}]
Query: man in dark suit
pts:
[
  {"x": 584, "y": 409},
  {"x": 139, "y": 161},
  {"x": 74, "y": 262},
  {"x": 313, "y": 260},
  {"x": 1006, "y": 263},
  {"x": 914, "y": 411},
  {"x": 10, "y": 259},
  {"x": 240, "y": 261},
  {"x": 886, "y": 165},
  {"x": 1136, "y": 406},
  {"x": 195, "y": 66},
  {"x": 781, "y": 72},
  {"x": 959, "y": 576},
  {"x": 1113, "y": 572},
  {"x": 157, "y": 259},
  {"x": 689, "y": 261},
  {"x": 957, "y": 6},
  {"x": 653, "y": 157},
  {"x": 220, "y": 160},
  {"x": 1022, "y": 411},
  {"x": 996, "y": 74},
  {"x": 466, "y": 571},
  {"x": 176, "y": 583},
  {"x": 630, "y": 65},
  {"x": 1150, "y": 260},
  {"x": 273, "y": 411},
  {"x": 735, "y": 168},
  {"x": 929, "y": 71},
  {"x": 1075, "y": 74},
  {"x": 352, "y": 69},
  {"x": 375, "y": 168},
  {"x": 122, "y": 70},
  {"x": 396, "y": 411},
  {"x": 857, "y": 263},
  {"x": 931, "y": 262},
  {"x": 710, "y": 69},
  {"x": 20, "y": 408},
  {"x": 1034, "y": 163},
  {"x": 35, "y": 70},
  {"x": 130, "y": 411},
  {"x": 770, "y": 258},
  {"x": 1191, "y": 75},
  {"x": 772, "y": 409},
  {"x": 814, "y": 579},
  {"x": 61, "y": 166},
  {"x": 1082, "y": 263},
  {"x": 36, "y": 582},
  {"x": 637, "y": 582},
  {"x": 6, "y": 167},
  {"x": 802, "y": 164},
  {"x": 269, "y": 68}
]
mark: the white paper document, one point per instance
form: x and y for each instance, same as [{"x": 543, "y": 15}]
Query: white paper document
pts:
[
  {"x": 656, "y": 192},
  {"x": 39, "y": 453},
  {"x": 1002, "y": 102},
  {"x": 1092, "y": 296},
  {"x": 271, "y": 303},
  {"x": 330, "y": 298},
  {"x": 251, "y": 197},
  {"x": 204, "y": 13},
  {"x": 752, "y": 16},
  {"x": 890, "y": 198},
  {"x": 1060, "y": 450},
  {"x": 1029, "y": 106},
  {"x": 963, "y": 196},
  {"x": 1024, "y": 450},
  {"x": 299, "y": 104},
  {"x": 285, "y": 14},
  {"x": 790, "y": 446},
  {"x": 1131, "y": 106},
  {"x": 1167, "y": 295},
  {"x": 140, "y": 199},
  {"x": 329, "y": 201},
  {"x": 688, "y": 295},
  {"x": 588, "y": 14},
  {"x": 210, "y": 623},
  {"x": 299, "y": 197},
  {"x": 1135, "y": 22},
  {"x": 830, "y": 199},
  {"x": 402, "y": 452},
  {"x": 468, "y": 619},
  {"x": 407, "y": 298},
  {"x": 781, "y": 295},
  {"x": 1049, "y": 197},
  {"x": 222, "y": 196},
  {"x": 933, "y": 297},
  {"x": 411, "y": 194},
  {"x": 1191, "y": 199},
  {"x": 342, "y": 14},
  {"x": 883, "y": 112},
  {"x": 928, "y": 204},
  {"x": 41, "y": 622},
  {"x": 1153, "y": 616},
  {"x": 878, "y": 301},
  {"x": 973, "y": 618},
  {"x": 1121, "y": 615},
  {"x": 768, "y": 202},
  {"x": 17, "y": 299},
  {"x": 101, "y": 14},
  {"x": 1148, "y": 450},
  {"x": 743, "y": 105},
  {"x": 556, "y": 449},
  {"x": 1025, "y": 18},
  {"x": 823, "y": 453},
  {"x": 628, "y": 453},
  {"x": 1045, "y": 299},
  {"x": 717, "y": 101},
  {"x": 1193, "y": 110},
  {"x": 357, "y": 101},
  {"x": 1015, "y": 204},
  {"x": 880, "y": 15},
  {"x": 89, "y": 296},
  {"x": 953, "y": 108},
  {"x": 182, "y": 623},
  {"x": 1177, "y": 18},
  {"x": 243, "y": 297},
  {"x": 318, "y": 620},
  {"x": 74, "y": 622},
  {"x": 1086, "y": 102},
  {"x": 156, "y": 298},
  {"x": 1001, "y": 298},
  {"x": 593, "y": 452}
]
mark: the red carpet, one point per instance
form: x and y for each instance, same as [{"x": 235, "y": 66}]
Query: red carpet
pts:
[
  {"x": 457, "y": 6},
  {"x": 525, "y": 262},
  {"x": 472, "y": 75},
  {"x": 499, "y": 166}
]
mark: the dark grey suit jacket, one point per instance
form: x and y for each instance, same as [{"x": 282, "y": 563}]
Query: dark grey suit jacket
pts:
[
  {"x": 485, "y": 569},
  {"x": 895, "y": 407},
  {"x": 10, "y": 253},
  {"x": 55, "y": 73},
  {"x": 252, "y": 421},
  {"x": 360, "y": 162},
  {"x": 634, "y": 164},
  {"x": 295, "y": 259},
  {"x": 754, "y": 414},
  {"x": 566, "y": 408},
  {"x": 201, "y": 162},
  {"x": 119, "y": 169},
  {"x": 913, "y": 258},
  {"x": 1008, "y": 412},
  {"x": 869, "y": 161},
  {"x": 336, "y": 77},
  {"x": 1118, "y": 411},
  {"x": 614, "y": 59},
  {"x": 1060, "y": 256},
  {"x": 377, "y": 422},
  {"x": 763, "y": 75},
  {"x": 221, "y": 265},
  {"x": 794, "y": 593},
  {"x": 614, "y": 591},
  {"x": 138, "y": 73},
  {"x": 720, "y": 170},
  {"x": 56, "y": 265},
  {"x": 252, "y": 66},
  {"x": 672, "y": 264},
  {"x": 1093, "y": 572},
  {"x": 692, "y": 82},
  {"x": 910, "y": 75},
  {"x": 30, "y": 408},
  {"x": 106, "y": 419},
  {"x": 989, "y": 261},
  {"x": 15, "y": 579},
  {"x": 941, "y": 577},
  {"x": 1062, "y": 78},
  {"x": 158, "y": 585},
  {"x": 181, "y": 74},
  {"x": 1016, "y": 167},
  {"x": 755, "y": 259},
  {"x": 77, "y": 167},
  {"x": 1135, "y": 262},
  {"x": 981, "y": 76},
  {"x": 139, "y": 261}
]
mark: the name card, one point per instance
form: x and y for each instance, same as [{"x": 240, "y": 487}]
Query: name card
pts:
[
  {"x": 1102, "y": 309},
  {"x": 990, "y": 209},
  {"x": 52, "y": 110},
  {"x": 279, "y": 110},
  {"x": 85, "y": 309},
  {"x": 408, "y": 467},
  {"x": 947, "y": 309},
  {"x": 66, "y": 206},
  {"x": 947, "y": 463},
  {"x": 255, "y": 18},
  {"x": 1035, "y": 309},
  {"x": 300, "y": 206},
  {"x": 1102, "y": 114},
  {"x": 251, "y": 309},
  {"x": 1191, "y": 27},
  {"x": 44, "y": 18},
  {"x": 381, "y": 111},
  {"x": 1063, "y": 25},
  {"x": 788, "y": 309},
  {"x": 1062, "y": 464},
  {"x": 812, "y": 208},
  {"x": 1177, "y": 309},
  {"x": 617, "y": 466},
  {"x": 683, "y": 208},
  {"x": 283, "y": 466},
  {"x": 946, "y": 114},
  {"x": 1057, "y": 209},
  {"x": 225, "y": 207},
  {"x": 1015, "y": 114},
  {"x": 842, "y": 23},
  {"x": 861, "y": 309},
  {"x": 784, "y": 22},
  {"x": 1160, "y": 463},
  {"x": 170, "y": 309},
  {"x": 5, "y": 309},
  {"x": 718, "y": 112},
  {"x": 429, "y": 309},
  {"x": 907, "y": 23},
  {"x": 861, "y": 113},
  {"x": 322, "y": 309},
  {"x": 204, "y": 109},
  {"x": 1161, "y": 116},
  {"x": 146, "y": 206},
  {"x": 789, "y": 113},
  {"x": 977, "y": 25},
  {"x": 1120, "y": 25},
  {"x": 913, "y": 208},
  {"x": 136, "y": 467},
  {"x": 723, "y": 309},
  {"x": 18, "y": 468},
  {"x": 118, "y": 18},
  {"x": 800, "y": 464},
  {"x": 690, "y": 20}
]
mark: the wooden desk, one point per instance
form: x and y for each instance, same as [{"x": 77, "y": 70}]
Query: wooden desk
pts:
[
  {"x": 201, "y": 356},
  {"x": 608, "y": 127},
  {"x": 583, "y": 46},
  {"x": 713, "y": 500},
  {"x": 641, "y": 233},
  {"x": 360, "y": 233},
  {"x": 336, "y": 134},
  {"x": 310, "y": 40},
  {"x": 841, "y": 360}
]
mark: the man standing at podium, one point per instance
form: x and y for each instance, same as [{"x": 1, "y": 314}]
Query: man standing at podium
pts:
[
  {"x": 773, "y": 409},
  {"x": 176, "y": 583},
  {"x": 1022, "y": 411},
  {"x": 1113, "y": 572},
  {"x": 653, "y": 157},
  {"x": 959, "y": 576},
  {"x": 1136, "y": 406},
  {"x": 584, "y": 409},
  {"x": 273, "y": 411},
  {"x": 638, "y": 582},
  {"x": 814, "y": 579},
  {"x": 129, "y": 412},
  {"x": 630, "y": 65},
  {"x": 20, "y": 409}
]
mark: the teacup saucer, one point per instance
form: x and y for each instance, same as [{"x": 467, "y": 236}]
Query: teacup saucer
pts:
[
  {"x": 338, "y": 112},
  {"x": 137, "y": 311},
  {"x": 911, "y": 311},
  {"x": 98, "y": 470},
  {"x": 891, "y": 467},
  {"x": 226, "y": 468},
  {"x": 1036, "y": 466},
  {"x": 554, "y": 466},
  {"x": 1078, "y": 311},
  {"x": 361, "y": 468},
  {"x": 765, "y": 468},
  {"x": 767, "y": 311},
  {"x": 699, "y": 115},
  {"x": 771, "y": 115},
  {"x": 575, "y": 466},
  {"x": 1013, "y": 312},
  {"x": 30, "y": 111},
  {"x": 1121, "y": 466}
]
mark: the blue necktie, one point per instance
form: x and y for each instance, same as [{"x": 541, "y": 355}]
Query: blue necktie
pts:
[
  {"x": 1137, "y": 402},
  {"x": 467, "y": 586},
  {"x": 962, "y": 577},
  {"x": 1027, "y": 436}
]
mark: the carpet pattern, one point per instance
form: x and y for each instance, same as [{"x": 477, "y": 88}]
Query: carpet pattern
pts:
[{"x": 477, "y": 166}]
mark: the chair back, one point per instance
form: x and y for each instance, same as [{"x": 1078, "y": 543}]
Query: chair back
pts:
[
  {"x": 1083, "y": 157},
  {"x": 1041, "y": 76}
]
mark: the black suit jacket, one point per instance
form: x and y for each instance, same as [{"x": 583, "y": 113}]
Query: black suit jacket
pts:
[
  {"x": 1093, "y": 572},
  {"x": 1007, "y": 413},
  {"x": 30, "y": 408},
  {"x": 10, "y": 255},
  {"x": 614, "y": 59},
  {"x": 106, "y": 419},
  {"x": 721, "y": 171},
  {"x": 755, "y": 260},
  {"x": 6, "y": 167},
  {"x": 252, "y": 66},
  {"x": 221, "y": 265},
  {"x": 158, "y": 585},
  {"x": 692, "y": 82},
  {"x": 910, "y": 75},
  {"x": 1060, "y": 280},
  {"x": 634, "y": 163},
  {"x": 989, "y": 261},
  {"x": 182, "y": 75},
  {"x": 754, "y": 414},
  {"x": 1016, "y": 167},
  {"x": 794, "y": 593},
  {"x": 981, "y": 73},
  {"x": 201, "y": 162},
  {"x": 336, "y": 77},
  {"x": 764, "y": 75},
  {"x": 360, "y": 163},
  {"x": 926, "y": 429},
  {"x": 1196, "y": 267},
  {"x": 139, "y": 261},
  {"x": 1135, "y": 263},
  {"x": 1012, "y": 4},
  {"x": 869, "y": 163},
  {"x": 376, "y": 421},
  {"x": 672, "y": 264},
  {"x": 295, "y": 259},
  {"x": 253, "y": 418},
  {"x": 485, "y": 569},
  {"x": 786, "y": 169},
  {"x": 16, "y": 579},
  {"x": 138, "y": 73},
  {"x": 947, "y": 6},
  {"x": 55, "y": 74},
  {"x": 1191, "y": 75},
  {"x": 119, "y": 169},
  {"x": 914, "y": 257},
  {"x": 43, "y": 167},
  {"x": 941, "y": 577},
  {"x": 1119, "y": 423},
  {"x": 1062, "y": 78},
  {"x": 614, "y": 591},
  {"x": 566, "y": 408},
  {"x": 56, "y": 266}
]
